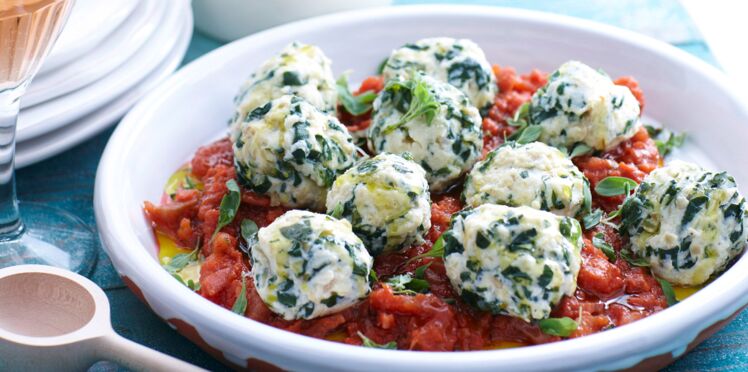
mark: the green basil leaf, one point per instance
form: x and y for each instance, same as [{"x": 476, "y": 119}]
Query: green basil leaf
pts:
[
  {"x": 367, "y": 342},
  {"x": 652, "y": 130},
  {"x": 192, "y": 285},
  {"x": 437, "y": 251},
  {"x": 614, "y": 186},
  {"x": 240, "y": 305},
  {"x": 667, "y": 290},
  {"x": 178, "y": 262},
  {"x": 354, "y": 104},
  {"x": 523, "y": 112},
  {"x": 373, "y": 277},
  {"x": 421, "y": 270},
  {"x": 249, "y": 231},
  {"x": 579, "y": 150},
  {"x": 406, "y": 284},
  {"x": 587, "y": 205},
  {"x": 229, "y": 206},
  {"x": 665, "y": 139},
  {"x": 598, "y": 240},
  {"x": 337, "y": 212},
  {"x": 592, "y": 219},
  {"x": 563, "y": 327},
  {"x": 634, "y": 261},
  {"x": 381, "y": 66},
  {"x": 529, "y": 134},
  {"x": 422, "y": 103},
  {"x": 189, "y": 184}
]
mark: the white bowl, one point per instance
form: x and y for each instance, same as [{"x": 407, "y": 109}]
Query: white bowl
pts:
[
  {"x": 231, "y": 19},
  {"x": 192, "y": 108}
]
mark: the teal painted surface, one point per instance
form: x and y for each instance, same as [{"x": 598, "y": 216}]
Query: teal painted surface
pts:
[{"x": 67, "y": 181}]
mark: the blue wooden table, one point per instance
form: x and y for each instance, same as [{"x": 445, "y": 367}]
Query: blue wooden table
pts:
[{"x": 67, "y": 181}]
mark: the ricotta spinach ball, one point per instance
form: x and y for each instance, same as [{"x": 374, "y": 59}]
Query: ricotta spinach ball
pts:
[
  {"x": 516, "y": 261},
  {"x": 291, "y": 151},
  {"x": 299, "y": 69},
  {"x": 581, "y": 105},
  {"x": 459, "y": 62},
  {"x": 386, "y": 198},
  {"x": 431, "y": 120},
  {"x": 689, "y": 223},
  {"x": 535, "y": 175},
  {"x": 306, "y": 265}
]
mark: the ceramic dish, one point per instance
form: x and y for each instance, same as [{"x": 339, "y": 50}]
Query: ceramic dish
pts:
[
  {"x": 120, "y": 46},
  {"x": 151, "y": 143},
  {"x": 91, "y": 21},
  {"x": 54, "y": 142},
  {"x": 58, "y": 112}
]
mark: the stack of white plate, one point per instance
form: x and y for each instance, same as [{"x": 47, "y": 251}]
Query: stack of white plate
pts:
[{"x": 109, "y": 54}]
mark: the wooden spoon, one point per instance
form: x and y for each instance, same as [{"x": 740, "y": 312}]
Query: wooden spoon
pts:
[{"x": 54, "y": 319}]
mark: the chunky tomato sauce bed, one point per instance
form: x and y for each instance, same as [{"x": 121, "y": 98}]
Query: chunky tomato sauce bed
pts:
[{"x": 608, "y": 294}]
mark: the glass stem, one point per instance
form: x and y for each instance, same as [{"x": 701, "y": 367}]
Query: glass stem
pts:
[{"x": 10, "y": 221}]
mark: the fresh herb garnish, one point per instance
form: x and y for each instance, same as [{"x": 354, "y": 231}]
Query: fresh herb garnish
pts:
[
  {"x": 406, "y": 284},
  {"x": 529, "y": 134},
  {"x": 189, "y": 283},
  {"x": 382, "y": 65},
  {"x": 178, "y": 262},
  {"x": 229, "y": 206},
  {"x": 598, "y": 240},
  {"x": 579, "y": 150},
  {"x": 562, "y": 327},
  {"x": 673, "y": 141},
  {"x": 634, "y": 261},
  {"x": 373, "y": 277},
  {"x": 521, "y": 122},
  {"x": 354, "y": 104},
  {"x": 437, "y": 250},
  {"x": 240, "y": 305},
  {"x": 249, "y": 231},
  {"x": 587, "y": 205},
  {"x": 525, "y": 132},
  {"x": 337, "y": 212},
  {"x": 189, "y": 184},
  {"x": 667, "y": 290},
  {"x": 520, "y": 116},
  {"x": 592, "y": 219},
  {"x": 192, "y": 285},
  {"x": 665, "y": 140},
  {"x": 421, "y": 270},
  {"x": 367, "y": 342},
  {"x": 614, "y": 186},
  {"x": 422, "y": 102}
]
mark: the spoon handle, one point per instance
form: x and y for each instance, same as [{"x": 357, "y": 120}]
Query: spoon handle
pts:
[{"x": 136, "y": 357}]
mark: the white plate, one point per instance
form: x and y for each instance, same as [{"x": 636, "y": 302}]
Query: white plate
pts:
[
  {"x": 55, "y": 142},
  {"x": 89, "y": 23},
  {"x": 102, "y": 60},
  {"x": 192, "y": 107},
  {"x": 56, "y": 113}
]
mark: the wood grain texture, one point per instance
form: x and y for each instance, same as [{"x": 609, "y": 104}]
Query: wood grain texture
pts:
[{"x": 67, "y": 181}]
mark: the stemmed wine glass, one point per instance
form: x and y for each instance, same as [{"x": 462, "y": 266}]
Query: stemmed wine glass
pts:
[{"x": 28, "y": 29}]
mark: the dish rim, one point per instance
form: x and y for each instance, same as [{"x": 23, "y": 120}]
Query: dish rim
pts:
[{"x": 624, "y": 345}]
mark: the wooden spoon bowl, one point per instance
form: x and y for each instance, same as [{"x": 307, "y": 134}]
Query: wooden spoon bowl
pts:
[{"x": 53, "y": 319}]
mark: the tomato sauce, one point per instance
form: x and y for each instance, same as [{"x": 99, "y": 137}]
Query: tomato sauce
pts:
[{"x": 609, "y": 294}]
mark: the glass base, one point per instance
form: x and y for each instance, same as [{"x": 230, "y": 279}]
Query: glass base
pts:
[{"x": 51, "y": 236}]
